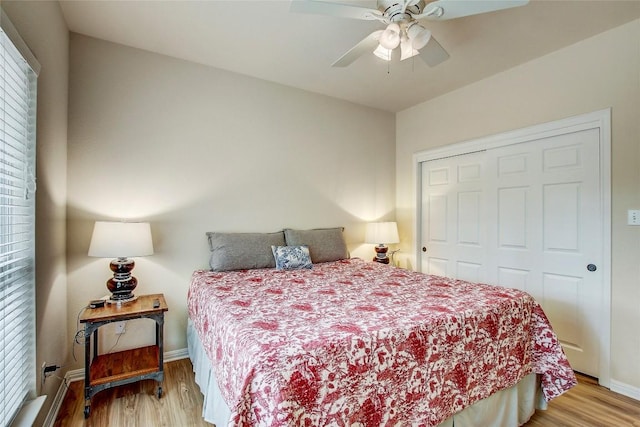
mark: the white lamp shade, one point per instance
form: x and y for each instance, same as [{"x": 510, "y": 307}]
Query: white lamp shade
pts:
[
  {"x": 407, "y": 50},
  {"x": 382, "y": 53},
  {"x": 121, "y": 239},
  {"x": 418, "y": 35},
  {"x": 382, "y": 233},
  {"x": 390, "y": 38}
]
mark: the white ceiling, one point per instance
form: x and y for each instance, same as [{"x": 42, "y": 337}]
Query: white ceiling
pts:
[{"x": 264, "y": 40}]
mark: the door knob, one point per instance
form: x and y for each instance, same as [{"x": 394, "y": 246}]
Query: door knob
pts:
[
  {"x": 424, "y": 249},
  {"x": 592, "y": 267}
]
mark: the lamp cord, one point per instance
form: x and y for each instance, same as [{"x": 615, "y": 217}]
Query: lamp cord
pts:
[
  {"x": 393, "y": 261},
  {"x": 80, "y": 337}
]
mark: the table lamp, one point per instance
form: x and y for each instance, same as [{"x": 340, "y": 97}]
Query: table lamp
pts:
[
  {"x": 121, "y": 240},
  {"x": 381, "y": 233}
]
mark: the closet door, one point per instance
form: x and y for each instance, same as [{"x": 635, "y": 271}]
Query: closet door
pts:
[
  {"x": 454, "y": 214},
  {"x": 528, "y": 216}
]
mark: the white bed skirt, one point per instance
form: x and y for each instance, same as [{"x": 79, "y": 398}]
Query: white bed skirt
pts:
[{"x": 508, "y": 408}]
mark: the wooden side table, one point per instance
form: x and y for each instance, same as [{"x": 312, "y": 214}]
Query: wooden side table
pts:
[{"x": 103, "y": 371}]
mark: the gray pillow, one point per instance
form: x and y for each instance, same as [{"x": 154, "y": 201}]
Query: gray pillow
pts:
[
  {"x": 325, "y": 244},
  {"x": 243, "y": 251}
]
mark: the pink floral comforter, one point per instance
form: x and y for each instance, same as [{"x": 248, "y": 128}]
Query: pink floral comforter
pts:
[{"x": 360, "y": 343}]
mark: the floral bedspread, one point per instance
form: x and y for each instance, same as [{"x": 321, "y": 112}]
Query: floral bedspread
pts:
[{"x": 355, "y": 343}]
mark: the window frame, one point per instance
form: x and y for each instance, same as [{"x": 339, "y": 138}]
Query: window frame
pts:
[{"x": 19, "y": 71}]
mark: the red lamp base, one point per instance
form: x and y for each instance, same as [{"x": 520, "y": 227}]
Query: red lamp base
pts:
[
  {"x": 122, "y": 284},
  {"x": 381, "y": 254}
]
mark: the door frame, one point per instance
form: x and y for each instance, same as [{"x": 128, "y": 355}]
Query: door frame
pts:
[{"x": 600, "y": 120}]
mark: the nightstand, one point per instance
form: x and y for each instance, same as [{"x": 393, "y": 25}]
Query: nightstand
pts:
[{"x": 103, "y": 371}]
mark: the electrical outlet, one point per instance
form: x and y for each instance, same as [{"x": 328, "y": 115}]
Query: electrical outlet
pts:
[
  {"x": 120, "y": 328},
  {"x": 43, "y": 373},
  {"x": 633, "y": 217},
  {"x": 46, "y": 371}
]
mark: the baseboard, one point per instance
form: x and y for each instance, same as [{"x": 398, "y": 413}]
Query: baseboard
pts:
[
  {"x": 56, "y": 404},
  {"x": 181, "y": 353},
  {"x": 625, "y": 389},
  {"x": 78, "y": 375}
]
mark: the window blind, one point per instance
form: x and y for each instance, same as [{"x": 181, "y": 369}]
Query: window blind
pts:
[{"x": 17, "y": 229}]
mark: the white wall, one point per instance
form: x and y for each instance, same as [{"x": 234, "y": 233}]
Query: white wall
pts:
[
  {"x": 594, "y": 74},
  {"x": 195, "y": 149},
  {"x": 44, "y": 30}
]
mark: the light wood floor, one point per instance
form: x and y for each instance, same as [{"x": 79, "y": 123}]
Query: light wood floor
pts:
[
  {"x": 589, "y": 405},
  {"x": 135, "y": 405}
]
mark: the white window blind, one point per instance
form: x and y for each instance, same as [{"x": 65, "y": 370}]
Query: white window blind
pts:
[{"x": 17, "y": 229}]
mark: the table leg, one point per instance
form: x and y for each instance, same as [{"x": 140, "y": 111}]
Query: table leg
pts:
[
  {"x": 160, "y": 344},
  {"x": 95, "y": 343},
  {"x": 87, "y": 370}
]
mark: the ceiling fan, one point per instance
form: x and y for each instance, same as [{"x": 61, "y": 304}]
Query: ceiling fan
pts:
[{"x": 402, "y": 27}]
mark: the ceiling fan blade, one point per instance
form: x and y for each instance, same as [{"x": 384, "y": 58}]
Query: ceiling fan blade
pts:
[
  {"x": 366, "y": 45},
  {"x": 433, "y": 53},
  {"x": 334, "y": 9},
  {"x": 442, "y": 10}
]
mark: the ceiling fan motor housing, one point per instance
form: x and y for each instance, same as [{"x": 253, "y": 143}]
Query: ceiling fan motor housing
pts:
[{"x": 394, "y": 10}]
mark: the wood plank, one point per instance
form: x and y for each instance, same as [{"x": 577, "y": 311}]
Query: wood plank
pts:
[
  {"x": 143, "y": 304},
  {"x": 124, "y": 364},
  {"x": 135, "y": 405}
]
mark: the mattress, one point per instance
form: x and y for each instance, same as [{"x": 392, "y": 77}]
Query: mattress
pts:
[{"x": 355, "y": 342}]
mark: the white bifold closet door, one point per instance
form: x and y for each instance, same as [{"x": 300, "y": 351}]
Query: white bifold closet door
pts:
[{"x": 528, "y": 216}]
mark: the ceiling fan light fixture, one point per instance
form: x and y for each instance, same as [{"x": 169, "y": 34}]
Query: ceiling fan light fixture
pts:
[
  {"x": 401, "y": 18},
  {"x": 383, "y": 53},
  {"x": 418, "y": 35},
  {"x": 390, "y": 38},
  {"x": 406, "y": 50}
]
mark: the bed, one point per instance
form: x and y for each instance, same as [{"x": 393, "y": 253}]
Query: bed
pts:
[{"x": 353, "y": 342}]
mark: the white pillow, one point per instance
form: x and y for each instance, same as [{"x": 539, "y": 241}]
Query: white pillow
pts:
[{"x": 291, "y": 257}]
